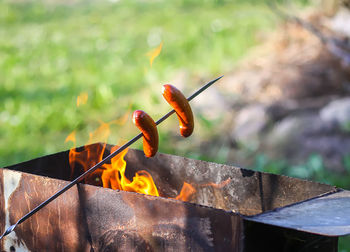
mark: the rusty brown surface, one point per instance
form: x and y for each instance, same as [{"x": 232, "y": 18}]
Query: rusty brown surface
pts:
[
  {"x": 58, "y": 222},
  {"x": 161, "y": 224},
  {"x": 248, "y": 192},
  {"x": 89, "y": 218}
]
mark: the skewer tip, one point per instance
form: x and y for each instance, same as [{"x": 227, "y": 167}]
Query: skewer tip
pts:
[{"x": 218, "y": 78}]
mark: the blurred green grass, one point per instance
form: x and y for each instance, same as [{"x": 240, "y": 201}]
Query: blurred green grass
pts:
[{"x": 50, "y": 53}]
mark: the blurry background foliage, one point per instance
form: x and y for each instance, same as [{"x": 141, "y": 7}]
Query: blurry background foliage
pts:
[{"x": 50, "y": 53}]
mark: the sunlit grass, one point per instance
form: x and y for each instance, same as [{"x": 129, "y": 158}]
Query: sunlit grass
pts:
[{"x": 49, "y": 54}]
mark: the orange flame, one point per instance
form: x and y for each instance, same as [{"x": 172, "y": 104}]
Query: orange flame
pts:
[
  {"x": 71, "y": 138},
  {"x": 186, "y": 192},
  {"x": 112, "y": 175},
  {"x": 86, "y": 158},
  {"x": 154, "y": 53},
  {"x": 82, "y": 98},
  {"x": 108, "y": 175},
  {"x": 218, "y": 186},
  {"x": 101, "y": 134}
]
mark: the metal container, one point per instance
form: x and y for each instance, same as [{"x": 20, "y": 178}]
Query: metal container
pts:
[{"x": 234, "y": 209}]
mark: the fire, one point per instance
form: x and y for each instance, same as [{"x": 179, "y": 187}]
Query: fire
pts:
[
  {"x": 101, "y": 134},
  {"x": 186, "y": 193},
  {"x": 218, "y": 186},
  {"x": 154, "y": 53},
  {"x": 71, "y": 138},
  {"x": 108, "y": 175},
  {"x": 188, "y": 190},
  {"x": 112, "y": 175},
  {"x": 86, "y": 158},
  {"x": 82, "y": 98}
]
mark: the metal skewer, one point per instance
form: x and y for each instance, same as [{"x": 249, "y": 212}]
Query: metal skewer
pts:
[{"x": 96, "y": 166}]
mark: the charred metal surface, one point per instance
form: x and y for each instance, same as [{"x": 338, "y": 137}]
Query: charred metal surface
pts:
[
  {"x": 89, "y": 218},
  {"x": 259, "y": 235},
  {"x": 161, "y": 224},
  {"x": 53, "y": 166},
  {"x": 247, "y": 192},
  {"x": 59, "y": 222},
  {"x": 327, "y": 215}
]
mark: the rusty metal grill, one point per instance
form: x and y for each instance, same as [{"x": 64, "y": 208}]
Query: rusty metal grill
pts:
[{"x": 253, "y": 210}]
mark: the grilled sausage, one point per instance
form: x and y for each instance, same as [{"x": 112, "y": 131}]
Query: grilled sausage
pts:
[
  {"x": 149, "y": 130},
  {"x": 182, "y": 108}
]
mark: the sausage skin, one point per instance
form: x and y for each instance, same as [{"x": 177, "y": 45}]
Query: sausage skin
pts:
[
  {"x": 149, "y": 130},
  {"x": 182, "y": 108}
]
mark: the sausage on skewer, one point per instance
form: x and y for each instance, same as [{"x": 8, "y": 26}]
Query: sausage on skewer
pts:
[
  {"x": 182, "y": 108},
  {"x": 149, "y": 130}
]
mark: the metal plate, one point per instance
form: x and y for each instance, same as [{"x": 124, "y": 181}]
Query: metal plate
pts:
[{"x": 327, "y": 215}]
